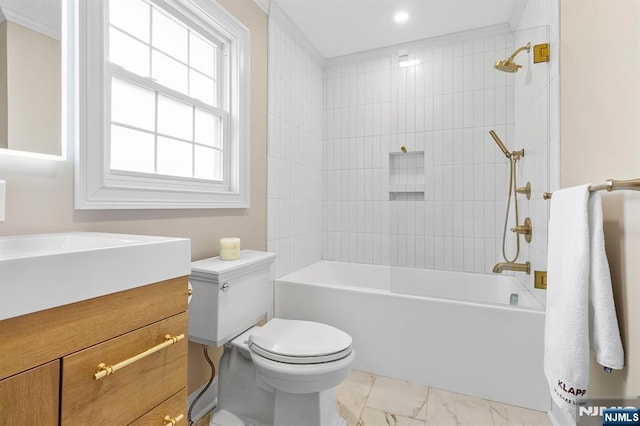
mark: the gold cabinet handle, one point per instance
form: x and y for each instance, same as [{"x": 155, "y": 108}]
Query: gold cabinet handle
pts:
[
  {"x": 168, "y": 421},
  {"x": 103, "y": 370}
]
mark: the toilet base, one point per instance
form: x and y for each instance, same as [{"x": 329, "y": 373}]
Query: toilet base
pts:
[
  {"x": 310, "y": 409},
  {"x": 225, "y": 418}
]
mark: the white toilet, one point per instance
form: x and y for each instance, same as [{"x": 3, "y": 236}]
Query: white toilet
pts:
[{"x": 282, "y": 373}]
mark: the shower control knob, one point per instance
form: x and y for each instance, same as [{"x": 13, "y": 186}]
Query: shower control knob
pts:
[
  {"x": 521, "y": 229},
  {"x": 525, "y": 229},
  {"x": 526, "y": 190}
]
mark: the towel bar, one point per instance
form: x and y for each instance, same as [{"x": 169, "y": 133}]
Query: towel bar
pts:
[{"x": 609, "y": 185}]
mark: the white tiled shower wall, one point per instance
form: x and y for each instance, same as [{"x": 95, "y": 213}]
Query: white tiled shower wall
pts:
[
  {"x": 294, "y": 200},
  {"x": 328, "y": 199},
  {"x": 444, "y": 106}
]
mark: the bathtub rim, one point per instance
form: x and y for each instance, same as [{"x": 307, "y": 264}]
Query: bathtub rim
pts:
[{"x": 356, "y": 289}]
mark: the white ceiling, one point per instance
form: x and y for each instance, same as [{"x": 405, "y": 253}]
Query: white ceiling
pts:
[
  {"x": 334, "y": 27},
  {"x": 342, "y": 27}
]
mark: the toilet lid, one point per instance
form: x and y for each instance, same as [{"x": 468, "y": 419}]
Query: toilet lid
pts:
[{"x": 311, "y": 341}]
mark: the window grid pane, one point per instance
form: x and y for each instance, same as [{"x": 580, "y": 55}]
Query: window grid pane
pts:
[
  {"x": 128, "y": 52},
  {"x": 178, "y": 58},
  {"x": 202, "y": 87},
  {"x": 166, "y": 50},
  {"x": 169, "y": 36},
  {"x": 132, "y": 105},
  {"x": 202, "y": 54},
  {"x": 175, "y": 158},
  {"x": 169, "y": 72},
  {"x": 132, "y": 150},
  {"x": 167, "y": 137},
  {"x": 175, "y": 118},
  {"x": 207, "y": 163},
  {"x": 132, "y": 17},
  {"x": 208, "y": 129}
]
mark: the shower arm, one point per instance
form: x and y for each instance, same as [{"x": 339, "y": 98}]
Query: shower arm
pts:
[{"x": 513, "y": 56}]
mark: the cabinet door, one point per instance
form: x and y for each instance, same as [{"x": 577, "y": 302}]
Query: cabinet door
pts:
[
  {"x": 174, "y": 409},
  {"x": 128, "y": 393},
  {"x": 31, "y": 397}
]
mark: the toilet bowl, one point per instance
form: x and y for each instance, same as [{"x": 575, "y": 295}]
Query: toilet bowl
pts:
[
  {"x": 282, "y": 373},
  {"x": 300, "y": 356},
  {"x": 294, "y": 364}
]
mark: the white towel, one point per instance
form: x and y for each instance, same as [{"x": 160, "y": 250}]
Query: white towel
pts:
[
  {"x": 580, "y": 308},
  {"x": 604, "y": 334}
]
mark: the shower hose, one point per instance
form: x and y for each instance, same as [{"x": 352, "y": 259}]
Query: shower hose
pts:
[{"x": 512, "y": 188}]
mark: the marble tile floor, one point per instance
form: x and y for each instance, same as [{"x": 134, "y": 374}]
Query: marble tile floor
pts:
[{"x": 368, "y": 400}]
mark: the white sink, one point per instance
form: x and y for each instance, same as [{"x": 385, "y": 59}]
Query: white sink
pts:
[
  {"x": 47, "y": 270},
  {"x": 38, "y": 245}
]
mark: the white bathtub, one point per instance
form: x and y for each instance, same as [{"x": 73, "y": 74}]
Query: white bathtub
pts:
[{"x": 453, "y": 331}]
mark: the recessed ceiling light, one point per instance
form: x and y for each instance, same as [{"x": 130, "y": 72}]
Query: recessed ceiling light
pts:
[{"x": 401, "y": 16}]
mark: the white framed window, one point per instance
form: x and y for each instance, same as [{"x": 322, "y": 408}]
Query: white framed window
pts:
[{"x": 161, "y": 104}]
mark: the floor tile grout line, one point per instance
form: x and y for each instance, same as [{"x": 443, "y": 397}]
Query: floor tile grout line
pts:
[
  {"x": 493, "y": 420},
  {"x": 375, "y": 377},
  {"x": 426, "y": 405},
  {"x": 366, "y": 400}
]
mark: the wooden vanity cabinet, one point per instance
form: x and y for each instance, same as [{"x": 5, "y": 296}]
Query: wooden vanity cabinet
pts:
[
  {"x": 49, "y": 358},
  {"x": 31, "y": 397}
]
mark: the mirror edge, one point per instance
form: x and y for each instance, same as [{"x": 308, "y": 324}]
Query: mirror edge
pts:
[{"x": 65, "y": 93}]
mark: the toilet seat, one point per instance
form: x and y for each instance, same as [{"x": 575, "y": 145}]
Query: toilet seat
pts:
[
  {"x": 299, "y": 342},
  {"x": 300, "y": 360}
]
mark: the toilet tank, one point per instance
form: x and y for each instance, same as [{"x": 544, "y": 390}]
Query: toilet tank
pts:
[{"x": 229, "y": 296}]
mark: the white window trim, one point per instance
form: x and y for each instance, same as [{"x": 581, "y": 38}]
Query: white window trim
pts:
[{"x": 95, "y": 186}]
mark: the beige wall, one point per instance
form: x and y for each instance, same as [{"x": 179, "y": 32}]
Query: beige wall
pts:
[
  {"x": 40, "y": 193},
  {"x": 33, "y": 90},
  {"x": 256, "y": 20},
  {"x": 600, "y": 139}
]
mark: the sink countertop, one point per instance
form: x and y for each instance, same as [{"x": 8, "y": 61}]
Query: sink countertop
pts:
[{"x": 44, "y": 271}]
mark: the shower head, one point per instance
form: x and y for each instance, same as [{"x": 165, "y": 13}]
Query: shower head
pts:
[
  {"x": 503, "y": 148},
  {"x": 507, "y": 65}
]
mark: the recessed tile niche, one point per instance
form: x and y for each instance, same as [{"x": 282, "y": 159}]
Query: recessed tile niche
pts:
[{"x": 406, "y": 176}]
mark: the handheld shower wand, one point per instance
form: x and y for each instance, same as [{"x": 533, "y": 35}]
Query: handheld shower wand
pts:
[{"x": 503, "y": 148}]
